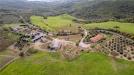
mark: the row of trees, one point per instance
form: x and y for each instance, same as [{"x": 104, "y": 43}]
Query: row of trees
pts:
[{"x": 124, "y": 20}]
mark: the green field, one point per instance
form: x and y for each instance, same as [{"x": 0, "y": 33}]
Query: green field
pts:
[
  {"x": 53, "y": 22},
  {"x": 124, "y": 27},
  {"x": 52, "y": 64}
]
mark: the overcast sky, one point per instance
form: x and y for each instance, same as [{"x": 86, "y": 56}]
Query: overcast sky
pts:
[{"x": 45, "y": 0}]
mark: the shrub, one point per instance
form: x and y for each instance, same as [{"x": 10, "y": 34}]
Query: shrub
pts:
[{"x": 32, "y": 51}]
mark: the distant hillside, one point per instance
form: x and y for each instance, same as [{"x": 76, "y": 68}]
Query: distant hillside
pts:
[
  {"x": 106, "y": 10},
  {"x": 92, "y": 10}
]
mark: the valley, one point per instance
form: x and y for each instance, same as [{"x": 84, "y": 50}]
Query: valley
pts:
[
  {"x": 69, "y": 37},
  {"x": 63, "y": 30}
]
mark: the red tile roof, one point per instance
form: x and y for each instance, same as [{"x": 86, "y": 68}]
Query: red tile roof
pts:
[{"x": 97, "y": 38}]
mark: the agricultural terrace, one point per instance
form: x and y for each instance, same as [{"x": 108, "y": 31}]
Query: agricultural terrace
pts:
[
  {"x": 52, "y": 23},
  {"x": 123, "y": 27}
]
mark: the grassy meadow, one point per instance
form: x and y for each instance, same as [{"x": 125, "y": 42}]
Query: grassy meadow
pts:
[
  {"x": 52, "y": 23},
  {"x": 123, "y": 27},
  {"x": 51, "y": 64}
]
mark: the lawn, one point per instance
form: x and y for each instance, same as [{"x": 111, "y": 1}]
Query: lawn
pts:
[
  {"x": 124, "y": 27},
  {"x": 52, "y": 64},
  {"x": 53, "y": 22}
]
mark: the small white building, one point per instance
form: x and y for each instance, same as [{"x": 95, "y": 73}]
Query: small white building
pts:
[{"x": 56, "y": 44}]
